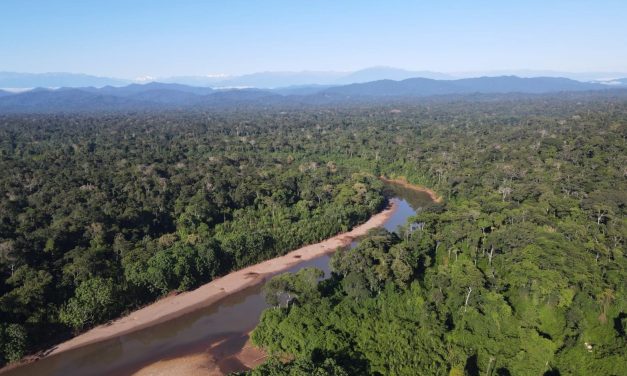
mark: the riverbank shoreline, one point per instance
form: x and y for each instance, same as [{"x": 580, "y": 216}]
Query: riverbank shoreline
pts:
[
  {"x": 214, "y": 363},
  {"x": 402, "y": 181},
  {"x": 218, "y": 359},
  {"x": 210, "y": 293}
]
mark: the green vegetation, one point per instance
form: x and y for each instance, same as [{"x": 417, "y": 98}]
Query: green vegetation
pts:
[
  {"x": 520, "y": 271},
  {"x": 101, "y": 215}
]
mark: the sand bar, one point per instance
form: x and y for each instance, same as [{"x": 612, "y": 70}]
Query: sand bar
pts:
[{"x": 207, "y": 294}]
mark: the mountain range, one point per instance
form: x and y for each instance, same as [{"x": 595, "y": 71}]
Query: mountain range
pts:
[
  {"x": 267, "y": 80},
  {"x": 157, "y": 95},
  {"x": 272, "y": 80},
  {"x": 427, "y": 87},
  {"x": 14, "y": 80}
]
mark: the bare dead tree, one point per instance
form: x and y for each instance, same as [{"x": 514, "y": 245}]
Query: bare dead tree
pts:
[{"x": 467, "y": 297}]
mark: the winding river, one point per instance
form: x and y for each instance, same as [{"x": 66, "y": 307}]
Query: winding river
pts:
[{"x": 229, "y": 321}]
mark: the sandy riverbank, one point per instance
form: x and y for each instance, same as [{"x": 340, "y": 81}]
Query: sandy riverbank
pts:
[
  {"x": 217, "y": 360},
  {"x": 205, "y": 295},
  {"x": 404, "y": 183},
  {"x": 220, "y": 358}
]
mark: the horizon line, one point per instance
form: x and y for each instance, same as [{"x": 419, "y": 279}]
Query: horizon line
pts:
[{"x": 456, "y": 73}]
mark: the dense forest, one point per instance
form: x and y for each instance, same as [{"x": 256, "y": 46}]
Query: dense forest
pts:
[
  {"x": 521, "y": 270},
  {"x": 99, "y": 215}
]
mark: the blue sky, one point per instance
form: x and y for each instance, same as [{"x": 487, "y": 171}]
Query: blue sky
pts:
[{"x": 133, "y": 38}]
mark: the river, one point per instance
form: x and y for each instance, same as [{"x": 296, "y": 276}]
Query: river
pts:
[{"x": 229, "y": 319}]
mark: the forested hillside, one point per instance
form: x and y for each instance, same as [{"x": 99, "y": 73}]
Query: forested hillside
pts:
[{"x": 521, "y": 270}]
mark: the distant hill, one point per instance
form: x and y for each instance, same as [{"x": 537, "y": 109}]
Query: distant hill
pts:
[
  {"x": 155, "y": 92},
  {"x": 274, "y": 80},
  {"x": 66, "y": 100},
  {"x": 421, "y": 87},
  {"x": 52, "y": 80},
  {"x": 387, "y": 73},
  {"x": 253, "y": 80},
  {"x": 301, "y": 89},
  {"x": 263, "y": 80},
  {"x": 168, "y": 96},
  {"x": 153, "y": 86},
  {"x": 153, "y": 96},
  {"x": 281, "y": 79},
  {"x": 589, "y": 76}
]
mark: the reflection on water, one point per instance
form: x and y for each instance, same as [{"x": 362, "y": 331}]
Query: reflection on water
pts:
[{"x": 194, "y": 331}]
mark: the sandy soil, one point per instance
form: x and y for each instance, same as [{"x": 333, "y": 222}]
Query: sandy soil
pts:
[
  {"x": 219, "y": 359},
  {"x": 172, "y": 306},
  {"x": 403, "y": 182}
]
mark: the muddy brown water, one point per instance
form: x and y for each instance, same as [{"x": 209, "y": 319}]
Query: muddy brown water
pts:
[{"x": 228, "y": 321}]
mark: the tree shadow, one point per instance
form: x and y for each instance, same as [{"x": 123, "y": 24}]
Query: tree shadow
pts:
[{"x": 472, "y": 368}]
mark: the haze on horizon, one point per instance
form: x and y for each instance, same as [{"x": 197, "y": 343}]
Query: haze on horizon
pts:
[{"x": 157, "y": 38}]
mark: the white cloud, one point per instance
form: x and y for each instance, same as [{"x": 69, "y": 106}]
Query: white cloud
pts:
[{"x": 144, "y": 79}]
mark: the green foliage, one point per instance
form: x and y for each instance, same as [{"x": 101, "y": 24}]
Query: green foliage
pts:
[
  {"x": 153, "y": 204},
  {"x": 389, "y": 333},
  {"x": 297, "y": 287},
  {"x": 299, "y": 367},
  {"x": 12, "y": 342},
  {"x": 368, "y": 267},
  {"x": 27, "y": 297},
  {"x": 181, "y": 266},
  {"x": 94, "y": 301},
  {"x": 520, "y": 270}
]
